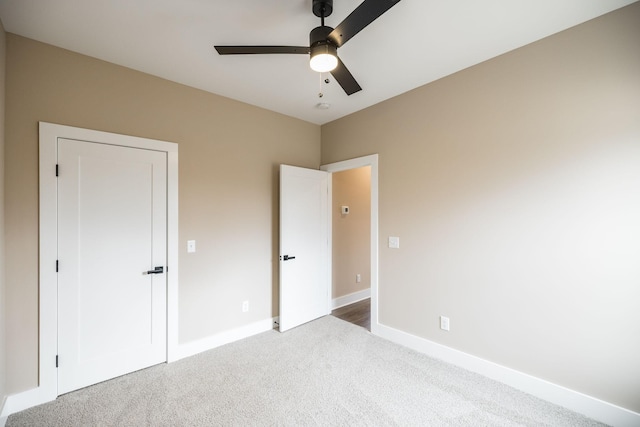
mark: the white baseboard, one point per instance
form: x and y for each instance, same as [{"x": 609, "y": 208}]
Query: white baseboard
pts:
[
  {"x": 226, "y": 337},
  {"x": 590, "y": 406},
  {"x": 3, "y": 418},
  {"x": 350, "y": 298},
  {"x": 25, "y": 400}
]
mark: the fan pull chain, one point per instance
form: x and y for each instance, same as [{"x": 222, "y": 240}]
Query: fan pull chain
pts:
[{"x": 320, "y": 94}]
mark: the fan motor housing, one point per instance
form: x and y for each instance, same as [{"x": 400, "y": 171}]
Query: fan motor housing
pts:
[
  {"x": 319, "y": 35},
  {"x": 320, "y": 5}
]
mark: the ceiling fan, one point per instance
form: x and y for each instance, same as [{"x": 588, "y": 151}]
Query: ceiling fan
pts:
[{"x": 324, "y": 41}]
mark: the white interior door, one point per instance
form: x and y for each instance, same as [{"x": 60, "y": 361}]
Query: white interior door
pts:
[
  {"x": 304, "y": 246},
  {"x": 112, "y": 207}
]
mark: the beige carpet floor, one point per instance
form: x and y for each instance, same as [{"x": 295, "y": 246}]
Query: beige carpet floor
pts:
[{"x": 325, "y": 373}]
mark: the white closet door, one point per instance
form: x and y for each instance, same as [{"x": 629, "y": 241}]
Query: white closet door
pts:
[{"x": 112, "y": 230}]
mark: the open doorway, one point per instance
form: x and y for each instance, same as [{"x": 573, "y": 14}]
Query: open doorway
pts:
[
  {"x": 345, "y": 269},
  {"x": 351, "y": 246}
]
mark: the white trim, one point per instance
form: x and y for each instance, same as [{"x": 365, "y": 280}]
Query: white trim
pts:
[
  {"x": 329, "y": 240},
  {"x": 350, "y": 298},
  {"x": 25, "y": 400},
  {"x": 194, "y": 347},
  {"x": 172, "y": 255},
  {"x": 3, "y": 417},
  {"x": 371, "y": 160},
  {"x": 590, "y": 406},
  {"x": 47, "y": 389}
]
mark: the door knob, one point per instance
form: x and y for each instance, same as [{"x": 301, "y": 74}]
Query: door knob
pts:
[
  {"x": 287, "y": 257},
  {"x": 156, "y": 270}
]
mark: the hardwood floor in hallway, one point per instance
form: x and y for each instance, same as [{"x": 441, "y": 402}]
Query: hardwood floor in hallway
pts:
[{"x": 358, "y": 313}]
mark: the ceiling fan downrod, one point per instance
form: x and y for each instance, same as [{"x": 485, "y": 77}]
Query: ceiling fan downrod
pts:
[{"x": 320, "y": 35}]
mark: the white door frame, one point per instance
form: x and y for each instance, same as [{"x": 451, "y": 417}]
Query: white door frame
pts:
[
  {"x": 49, "y": 133},
  {"x": 371, "y": 160}
]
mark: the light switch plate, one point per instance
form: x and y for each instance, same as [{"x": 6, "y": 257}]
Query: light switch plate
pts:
[
  {"x": 394, "y": 242},
  {"x": 191, "y": 246}
]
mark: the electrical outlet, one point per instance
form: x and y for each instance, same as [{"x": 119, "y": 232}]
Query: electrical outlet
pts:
[
  {"x": 358, "y": 278},
  {"x": 245, "y": 306},
  {"x": 444, "y": 323}
]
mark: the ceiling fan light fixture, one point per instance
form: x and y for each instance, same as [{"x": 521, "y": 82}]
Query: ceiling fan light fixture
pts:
[
  {"x": 324, "y": 41},
  {"x": 324, "y": 57}
]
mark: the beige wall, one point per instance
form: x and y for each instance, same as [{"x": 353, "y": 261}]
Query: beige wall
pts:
[
  {"x": 3, "y": 347},
  {"x": 514, "y": 186},
  {"x": 229, "y": 156},
  {"x": 351, "y": 253}
]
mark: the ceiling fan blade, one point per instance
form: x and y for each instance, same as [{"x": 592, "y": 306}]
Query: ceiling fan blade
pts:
[
  {"x": 345, "y": 79},
  {"x": 363, "y": 15},
  {"x": 248, "y": 50}
]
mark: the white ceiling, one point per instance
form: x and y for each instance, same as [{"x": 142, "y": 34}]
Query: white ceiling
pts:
[{"x": 414, "y": 43}]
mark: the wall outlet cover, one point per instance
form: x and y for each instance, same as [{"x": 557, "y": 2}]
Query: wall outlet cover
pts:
[{"x": 444, "y": 323}]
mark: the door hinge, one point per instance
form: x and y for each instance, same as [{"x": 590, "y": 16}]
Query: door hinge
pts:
[
  {"x": 57, "y": 170},
  {"x": 56, "y": 360},
  {"x": 57, "y": 265}
]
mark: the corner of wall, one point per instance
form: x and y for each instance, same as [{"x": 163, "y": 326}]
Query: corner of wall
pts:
[{"x": 3, "y": 44}]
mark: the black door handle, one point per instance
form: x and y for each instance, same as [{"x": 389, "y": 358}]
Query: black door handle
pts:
[
  {"x": 287, "y": 257},
  {"x": 156, "y": 270}
]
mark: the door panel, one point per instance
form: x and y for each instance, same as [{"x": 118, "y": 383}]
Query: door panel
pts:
[
  {"x": 304, "y": 234},
  {"x": 111, "y": 229}
]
